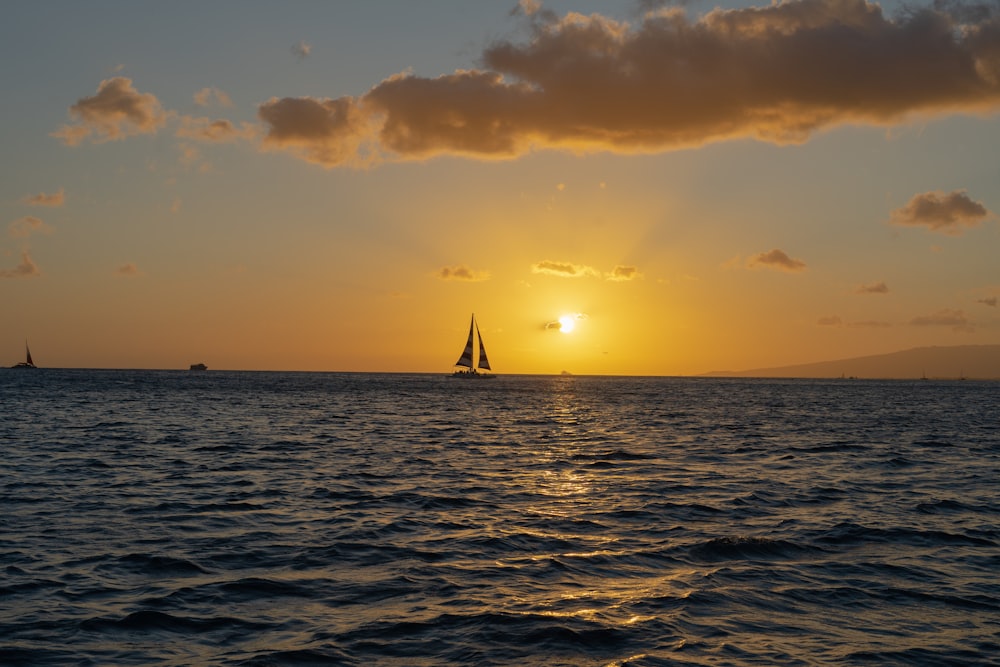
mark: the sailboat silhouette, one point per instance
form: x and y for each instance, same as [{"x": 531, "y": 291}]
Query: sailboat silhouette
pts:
[
  {"x": 27, "y": 363},
  {"x": 468, "y": 369}
]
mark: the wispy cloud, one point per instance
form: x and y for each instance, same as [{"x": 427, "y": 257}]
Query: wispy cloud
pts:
[
  {"x": 116, "y": 111},
  {"x": 26, "y": 269},
  {"x": 24, "y": 227},
  {"x": 948, "y": 213},
  {"x": 777, "y": 260},
  {"x": 214, "y": 131},
  {"x": 623, "y": 273},
  {"x": 463, "y": 273},
  {"x": 869, "y": 324},
  {"x": 563, "y": 269},
  {"x": 776, "y": 73},
  {"x": 301, "y": 50},
  {"x": 874, "y": 288},
  {"x": 129, "y": 270},
  {"x": 836, "y": 321},
  {"x": 947, "y": 317},
  {"x": 988, "y": 301},
  {"x": 208, "y": 96},
  {"x": 55, "y": 199}
]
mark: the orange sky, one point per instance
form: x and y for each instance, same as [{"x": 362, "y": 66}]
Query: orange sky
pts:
[{"x": 337, "y": 187}]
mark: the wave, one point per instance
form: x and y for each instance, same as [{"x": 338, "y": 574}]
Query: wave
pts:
[
  {"x": 749, "y": 548},
  {"x": 287, "y": 519},
  {"x": 147, "y": 621},
  {"x": 154, "y": 565},
  {"x": 851, "y": 534}
]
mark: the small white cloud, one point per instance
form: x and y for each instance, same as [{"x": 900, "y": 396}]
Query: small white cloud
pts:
[
  {"x": 874, "y": 288},
  {"x": 777, "y": 260},
  {"x": 116, "y": 111},
  {"x": 43, "y": 199},
  {"x": 462, "y": 273},
  {"x": 207, "y": 96},
  {"x": 623, "y": 273},
  {"x": 947, "y": 317},
  {"x": 129, "y": 270},
  {"x": 302, "y": 50},
  {"x": 948, "y": 213},
  {"x": 26, "y": 269},
  {"x": 563, "y": 269},
  {"x": 24, "y": 227}
]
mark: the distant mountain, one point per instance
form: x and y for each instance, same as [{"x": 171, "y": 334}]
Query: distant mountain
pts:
[{"x": 978, "y": 362}]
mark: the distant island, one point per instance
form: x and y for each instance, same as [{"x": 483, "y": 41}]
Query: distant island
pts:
[{"x": 973, "y": 362}]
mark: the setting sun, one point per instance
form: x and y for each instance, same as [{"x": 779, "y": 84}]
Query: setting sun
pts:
[{"x": 567, "y": 323}]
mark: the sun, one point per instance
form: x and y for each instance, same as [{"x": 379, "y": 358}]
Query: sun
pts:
[{"x": 567, "y": 323}]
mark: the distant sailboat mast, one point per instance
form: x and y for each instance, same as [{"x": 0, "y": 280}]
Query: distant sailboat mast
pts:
[{"x": 27, "y": 352}]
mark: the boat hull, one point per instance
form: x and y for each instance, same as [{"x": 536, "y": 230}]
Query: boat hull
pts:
[{"x": 472, "y": 375}]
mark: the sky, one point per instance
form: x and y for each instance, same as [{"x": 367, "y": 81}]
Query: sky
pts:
[{"x": 338, "y": 186}]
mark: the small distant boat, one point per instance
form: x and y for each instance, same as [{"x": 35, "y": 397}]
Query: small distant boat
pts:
[
  {"x": 469, "y": 370},
  {"x": 27, "y": 363},
  {"x": 199, "y": 367}
]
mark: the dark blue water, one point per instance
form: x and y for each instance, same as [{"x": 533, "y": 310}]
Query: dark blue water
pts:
[{"x": 176, "y": 518}]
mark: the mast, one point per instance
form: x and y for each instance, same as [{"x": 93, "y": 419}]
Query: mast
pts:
[
  {"x": 466, "y": 359},
  {"x": 27, "y": 353}
]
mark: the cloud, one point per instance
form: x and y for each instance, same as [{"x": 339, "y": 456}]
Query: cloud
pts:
[
  {"x": 117, "y": 110},
  {"x": 463, "y": 273},
  {"x": 874, "y": 288},
  {"x": 831, "y": 321},
  {"x": 563, "y": 269},
  {"x": 26, "y": 269},
  {"x": 324, "y": 132},
  {"x": 947, "y": 213},
  {"x": 215, "y": 131},
  {"x": 24, "y": 227},
  {"x": 206, "y": 97},
  {"x": 869, "y": 324},
  {"x": 775, "y": 73},
  {"x": 528, "y": 7},
  {"x": 989, "y": 301},
  {"x": 55, "y": 199},
  {"x": 129, "y": 270},
  {"x": 947, "y": 317},
  {"x": 776, "y": 259},
  {"x": 301, "y": 50},
  {"x": 623, "y": 273}
]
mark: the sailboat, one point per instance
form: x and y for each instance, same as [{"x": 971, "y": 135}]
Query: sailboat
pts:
[
  {"x": 27, "y": 363},
  {"x": 468, "y": 369}
]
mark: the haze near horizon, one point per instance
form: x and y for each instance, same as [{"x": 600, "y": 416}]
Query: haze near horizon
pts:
[{"x": 338, "y": 186}]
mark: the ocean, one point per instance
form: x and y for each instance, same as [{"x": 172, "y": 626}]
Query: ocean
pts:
[{"x": 259, "y": 518}]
